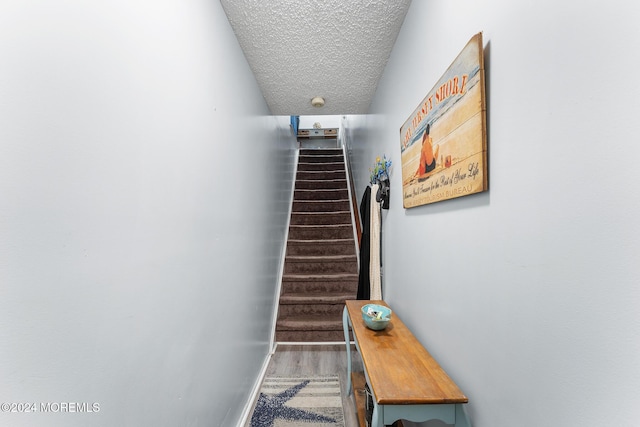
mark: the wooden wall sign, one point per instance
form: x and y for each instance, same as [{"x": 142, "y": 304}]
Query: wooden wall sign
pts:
[{"x": 443, "y": 143}]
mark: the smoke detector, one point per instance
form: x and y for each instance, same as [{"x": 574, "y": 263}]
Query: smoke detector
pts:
[{"x": 318, "y": 101}]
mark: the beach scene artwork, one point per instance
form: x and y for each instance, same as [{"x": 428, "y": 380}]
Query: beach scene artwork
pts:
[{"x": 443, "y": 143}]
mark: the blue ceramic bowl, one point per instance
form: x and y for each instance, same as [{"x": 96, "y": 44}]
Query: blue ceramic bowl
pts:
[{"x": 376, "y": 317}]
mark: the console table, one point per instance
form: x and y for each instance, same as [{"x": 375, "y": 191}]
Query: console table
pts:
[{"x": 406, "y": 382}]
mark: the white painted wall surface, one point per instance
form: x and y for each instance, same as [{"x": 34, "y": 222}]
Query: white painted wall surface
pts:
[
  {"x": 144, "y": 193},
  {"x": 528, "y": 295},
  {"x": 327, "y": 122}
]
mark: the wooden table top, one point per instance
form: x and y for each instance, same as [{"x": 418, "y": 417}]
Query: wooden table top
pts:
[{"x": 400, "y": 369}]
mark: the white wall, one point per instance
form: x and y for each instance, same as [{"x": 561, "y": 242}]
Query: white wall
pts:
[
  {"x": 330, "y": 121},
  {"x": 527, "y": 294},
  {"x": 144, "y": 192}
]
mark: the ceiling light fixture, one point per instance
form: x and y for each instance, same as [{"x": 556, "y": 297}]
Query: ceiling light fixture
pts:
[{"x": 318, "y": 101}]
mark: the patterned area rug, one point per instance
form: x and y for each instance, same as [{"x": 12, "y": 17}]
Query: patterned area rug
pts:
[{"x": 299, "y": 401}]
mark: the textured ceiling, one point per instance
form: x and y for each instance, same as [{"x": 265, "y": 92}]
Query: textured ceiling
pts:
[{"x": 336, "y": 49}]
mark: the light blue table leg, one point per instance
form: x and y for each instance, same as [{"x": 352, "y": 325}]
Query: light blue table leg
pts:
[
  {"x": 377, "y": 416},
  {"x": 462, "y": 419},
  {"x": 345, "y": 325}
]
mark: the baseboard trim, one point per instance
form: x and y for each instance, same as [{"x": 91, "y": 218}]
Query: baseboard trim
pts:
[{"x": 256, "y": 389}]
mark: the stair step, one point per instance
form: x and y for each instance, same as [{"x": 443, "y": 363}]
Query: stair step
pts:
[
  {"x": 319, "y": 232},
  {"x": 321, "y": 194},
  {"x": 320, "y": 206},
  {"x": 320, "y": 175},
  {"x": 329, "y": 184},
  {"x": 321, "y": 218},
  {"x": 310, "y": 329},
  {"x": 321, "y": 158},
  {"x": 310, "y": 323},
  {"x": 320, "y": 151},
  {"x": 320, "y": 286},
  {"x": 320, "y": 265},
  {"x": 310, "y": 336},
  {"x": 338, "y": 277},
  {"x": 321, "y": 258},
  {"x": 321, "y": 247},
  {"x": 317, "y": 310},
  {"x": 330, "y": 298},
  {"x": 332, "y": 166}
]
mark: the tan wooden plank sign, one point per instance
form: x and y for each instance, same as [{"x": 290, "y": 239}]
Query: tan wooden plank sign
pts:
[{"x": 444, "y": 142}]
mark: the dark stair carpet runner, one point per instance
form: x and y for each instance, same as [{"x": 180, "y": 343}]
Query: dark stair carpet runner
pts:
[{"x": 320, "y": 267}]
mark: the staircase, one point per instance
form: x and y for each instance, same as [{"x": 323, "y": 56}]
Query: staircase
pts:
[{"x": 320, "y": 267}]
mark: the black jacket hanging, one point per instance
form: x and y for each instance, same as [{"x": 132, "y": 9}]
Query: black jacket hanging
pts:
[{"x": 364, "y": 285}]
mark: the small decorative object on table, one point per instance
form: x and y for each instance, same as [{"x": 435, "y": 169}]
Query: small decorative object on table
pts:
[{"x": 375, "y": 316}]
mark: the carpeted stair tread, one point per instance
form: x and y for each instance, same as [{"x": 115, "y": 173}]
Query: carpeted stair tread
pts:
[
  {"x": 318, "y": 241},
  {"x": 322, "y": 202},
  {"x": 333, "y": 299},
  {"x": 316, "y": 232},
  {"x": 321, "y": 218},
  {"x": 321, "y": 194},
  {"x": 308, "y": 184},
  {"x": 323, "y": 166},
  {"x": 312, "y": 258},
  {"x": 303, "y": 336},
  {"x": 295, "y": 264},
  {"x": 319, "y": 247},
  {"x": 317, "y": 287},
  {"x": 321, "y": 175},
  {"x": 318, "y": 277},
  {"x": 322, "y": 159},
  {"x": 311, "y": 323},
  {"x": 320, "y": 151},
  {"x": 315, "y": 310},
  {"x": 326, "y": 227},
  {"x": 321, "y": 266},
  {"x": 320, "y": 215},
  {"x": 320, "y": 205}
]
